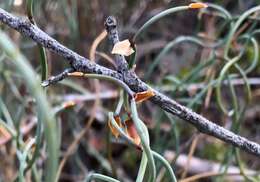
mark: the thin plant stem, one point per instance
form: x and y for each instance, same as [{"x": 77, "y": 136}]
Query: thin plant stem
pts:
[
  {"x": 144, "y": 136},
  {"x": 93, "y": 176},
  {"x": 42, "y": 51},
  {"x": 236, "y": 26},
  {"x": 142, "y": 168},
  {"x": 45, "y": 114},
  {"x": 104, "y": 77},
  {"x": 166, "y": 165},
  {"x": 158, "y": 17}
]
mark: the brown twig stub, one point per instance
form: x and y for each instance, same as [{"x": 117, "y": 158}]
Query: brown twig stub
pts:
[
  {"x": 111, "y": 28},
  {"x": 81, "y": 64}
]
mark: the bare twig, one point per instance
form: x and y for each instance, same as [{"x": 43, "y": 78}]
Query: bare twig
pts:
[
  {"x": 76, "y": 61},
  {"x": 82, "y": 64},
  {"x": 111, "y": 27},
  {"x": 57, "y": 78},
  {"x": 191, "y": 152}
]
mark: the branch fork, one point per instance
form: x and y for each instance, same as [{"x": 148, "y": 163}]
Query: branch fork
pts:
[{"x": 81, "y": 64}]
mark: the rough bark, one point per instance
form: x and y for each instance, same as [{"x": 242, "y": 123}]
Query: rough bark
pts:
[{"x": 79, "y": 63}]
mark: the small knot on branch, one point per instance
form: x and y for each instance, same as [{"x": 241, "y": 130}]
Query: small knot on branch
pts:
[{"x": 110, "y": 23}]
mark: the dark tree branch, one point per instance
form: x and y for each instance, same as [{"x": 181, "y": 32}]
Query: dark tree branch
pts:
[
  {"x": 111, "y": 27},
  {"x": 82, "y": 64},
  {"x": 57, "y": 78},
  {"x": 76, "y": 61},
  {"x": 169, "y": 105}
]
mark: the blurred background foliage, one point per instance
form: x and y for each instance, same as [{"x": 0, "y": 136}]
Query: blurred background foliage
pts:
[{"x": 184, "y": 55}]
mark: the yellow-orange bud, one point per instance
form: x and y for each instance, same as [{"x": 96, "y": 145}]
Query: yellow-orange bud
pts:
[{"x": 197, "y": 5}]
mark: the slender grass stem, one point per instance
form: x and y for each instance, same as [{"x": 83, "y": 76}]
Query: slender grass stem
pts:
[
  {"x": 221, "y": 77},
  {"x": 173, "y": 43},
  {"x": 232, "y": 32},
  {"x": 42, "y": 51},
  {"x": 120, "y": 103},
  {"x": 44, "y": 112},
  {"x": 104, "y": 77},
  {"x": 166, "y": 165},
  {"x": 8, "y": 128},
  {"x": 144, "y": 136},
  {"x": 44, "y": 76},
  {"x": 6, "y": 114},
  {"x": 142, "y": 168},
  {"x": 96, "y": 176},
  {"x": 158, "y": 17},
  {"x": 256, "y": 55}
]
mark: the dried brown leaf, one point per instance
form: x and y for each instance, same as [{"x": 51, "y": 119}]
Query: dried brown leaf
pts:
[
  {"x": 123, "y": 48},
  {"x": 112, "y": 128},
  {"x": 131, "y": 132},
  {"x": 142, "y": 96}
]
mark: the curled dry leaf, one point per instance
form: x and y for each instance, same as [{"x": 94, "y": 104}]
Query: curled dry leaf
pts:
[
  {"x": 123, "y": 48},
  {"x": 142, "y": 96},
  {"x": 197, "y": 5},
  {"x": 112, "y": 128},
  {"x": 131, "y": 132}
]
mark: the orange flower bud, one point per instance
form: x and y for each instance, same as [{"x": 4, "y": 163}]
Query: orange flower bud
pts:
[{"x": 197, "y": 5}]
